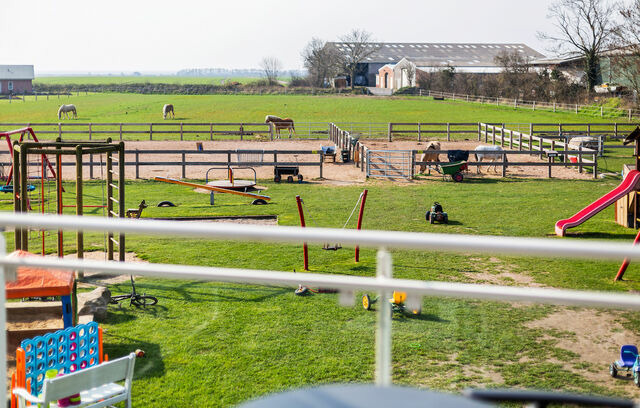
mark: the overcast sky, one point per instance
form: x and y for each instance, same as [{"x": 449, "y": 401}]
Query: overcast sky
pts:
[{"x": 161, "y": 35}]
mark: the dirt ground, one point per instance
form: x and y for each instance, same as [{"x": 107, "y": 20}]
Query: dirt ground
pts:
[
  {"x": 559, "y": 172},
  {"x": 333, "y": 173}
]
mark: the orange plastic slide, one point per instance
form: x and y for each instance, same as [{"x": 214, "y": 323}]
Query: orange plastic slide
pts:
[{"x": 628, "y": 185}]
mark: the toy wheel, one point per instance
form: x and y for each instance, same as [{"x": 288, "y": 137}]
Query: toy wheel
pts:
[
  {"x": 426, "y": 216},
  {"x": 300, "y": 178},
  {"x": 613, "y": 371},
  {"x": 290, "y": 179},
  {"x": 457, "y": 177},
  {"x": 366, "y": 302},
  {"x": 277, "y": 179}
]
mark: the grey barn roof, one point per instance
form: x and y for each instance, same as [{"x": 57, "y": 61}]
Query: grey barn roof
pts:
[
  {"x": 16, "y": 72},
  {"x": 436, "y": 54}
]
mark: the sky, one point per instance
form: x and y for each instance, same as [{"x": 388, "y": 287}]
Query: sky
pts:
[{"x": 92, "y": 36}]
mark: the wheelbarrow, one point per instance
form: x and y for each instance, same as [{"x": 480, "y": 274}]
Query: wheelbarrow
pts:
[
  {"x": 454, "y": 170},
  {"x": 397, "y": 303}
]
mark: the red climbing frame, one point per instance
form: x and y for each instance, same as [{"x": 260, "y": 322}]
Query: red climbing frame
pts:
[{"x": 22, "y": 132}]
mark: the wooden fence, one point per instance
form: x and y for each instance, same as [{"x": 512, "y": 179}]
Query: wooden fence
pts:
[{"x": 542, "y": 146}]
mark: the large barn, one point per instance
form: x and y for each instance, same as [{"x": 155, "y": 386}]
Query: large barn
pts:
[
  {"x": 466, "y": 58},
  {"x": 16, "y": 79}
]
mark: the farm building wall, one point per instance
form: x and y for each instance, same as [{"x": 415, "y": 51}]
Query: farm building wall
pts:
[
  {"x": 385, "y": 77},
  {"x": 15, "y": 86}
]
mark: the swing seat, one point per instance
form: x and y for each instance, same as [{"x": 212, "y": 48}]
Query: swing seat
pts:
[{"x": 9, "y": 188}]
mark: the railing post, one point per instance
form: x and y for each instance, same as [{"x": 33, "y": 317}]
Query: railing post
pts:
[
  {"x": 210, "y": 131},
  {"x": 60, "y": 130},
  {"x": 184, "y": 166},
  {"x": 383, "y": 335},
  {"x": 479, "y": 131},
  {"x": 580, "y": 158},
  {"x": 90, "y": 132},
  {"x": 448, "y": 132},
  {"x": 137, "y": 164},
  {"x": 181, "y": 137},
  {"x": 389, "y": 130},
  {"x": 419, "y": 134}
]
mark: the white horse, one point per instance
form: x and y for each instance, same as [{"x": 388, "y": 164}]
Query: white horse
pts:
[
  {"x": 66, "y": 109},
  {"x": 166, "y": 109},
  {"x": 489, "y": 153}
]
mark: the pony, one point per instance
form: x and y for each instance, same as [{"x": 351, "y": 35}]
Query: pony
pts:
[
  {"x": 430, "y": 157},
  {"x": 66, "y": 109},
  {"x": 279, "y": 123},
  {"x": 166, "y": 109},
  {"x": 490, "y": 154}
]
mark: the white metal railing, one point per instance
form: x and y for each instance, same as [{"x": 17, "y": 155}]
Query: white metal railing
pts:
[
  {"x": 591, "y": 110},
  {"x": 346, "y": 285}
]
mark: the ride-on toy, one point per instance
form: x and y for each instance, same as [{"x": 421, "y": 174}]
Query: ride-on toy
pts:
[
  {"x": 437, "y": 214},
  {"x": 397, "y": 303},
  {"x": 628, "y": 362}
]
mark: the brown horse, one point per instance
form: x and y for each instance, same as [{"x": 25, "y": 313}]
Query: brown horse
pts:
[{"x": 279, "y": 123}]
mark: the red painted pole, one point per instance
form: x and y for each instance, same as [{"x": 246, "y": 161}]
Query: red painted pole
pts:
[
  {"x": 305, "y": 250},
  {"x": 625, "y": 263},
  {"x": 360, "y": 214}
]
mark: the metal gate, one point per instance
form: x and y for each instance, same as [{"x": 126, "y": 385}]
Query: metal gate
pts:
[{"x": 389, "y": 163}]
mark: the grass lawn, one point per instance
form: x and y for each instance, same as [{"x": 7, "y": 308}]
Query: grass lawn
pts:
[
  {"x": 253, "y": 108},
  {"x": 123, "y": 80},
  {"x": 237, "y": 342}
]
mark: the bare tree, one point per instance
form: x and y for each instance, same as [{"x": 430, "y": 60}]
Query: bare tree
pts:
[
  {"x": 271, "y": 67},
  {"x": 359, "y": 45},
  {"x": 322, "y": 62},
  {"x": 584, "y": 27},
  {"x": 625, "y": 54},
  {"x": 411, "y": 73}
]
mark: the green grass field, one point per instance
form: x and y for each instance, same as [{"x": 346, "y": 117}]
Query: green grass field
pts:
[
  {"x": 253, "y": 108},
  {"x": 236, "y": 342},
  {"x": 242, "y": 341},
  {"x": 155, "y": 79}
]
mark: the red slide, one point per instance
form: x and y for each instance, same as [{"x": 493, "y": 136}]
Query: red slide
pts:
[{"x": 627, "y": 185}]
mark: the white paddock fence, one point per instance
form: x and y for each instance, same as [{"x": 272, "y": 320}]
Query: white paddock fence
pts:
[{"x": 383, "y": 283}]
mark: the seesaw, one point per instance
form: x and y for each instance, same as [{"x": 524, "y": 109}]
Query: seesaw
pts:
[{"x": 259, "y": 199}]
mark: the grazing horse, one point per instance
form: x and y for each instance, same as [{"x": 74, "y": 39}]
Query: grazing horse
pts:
[
  {"x": 490, "y": 154},
  {"x": 430, "y": 157},
  {"x": 66, "y": 109},
  {"x": 279, "y": 123},
  {"x": 166, "y": 109}
]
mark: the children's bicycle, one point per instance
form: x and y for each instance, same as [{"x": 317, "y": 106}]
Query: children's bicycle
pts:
[{"x": 136, "y": 299}]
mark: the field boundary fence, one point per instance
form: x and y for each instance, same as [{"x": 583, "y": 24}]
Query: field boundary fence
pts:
[
  {"x": 601, "y": 111},
  {"x": 170, "y": 130},
  {"x": 347, "y": 286}
]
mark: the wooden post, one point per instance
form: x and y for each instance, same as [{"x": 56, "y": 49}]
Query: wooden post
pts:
[
  {"x": 502, "y": 137},
  {"x": 448, "y": 132},
  {"x": 493, "y": 134},
  {"x": 60, "y": 130},
  {"x": 210, "y": 131},
  {"x": 321, "y": 162},
  {"x": 479, "y": 131},
  {"x": 184, "y": 166},
  {"x": 595, "y": 167},
  {"x": 121, "y": 132},
  {"x": 580, "y": 158},
  {"x": 419, "y": 134},
  {"x": 137, "y": 164},
  {"x": 305, "y": 250},
  {"x": 90, "y": 132},
  {"x": 550, "y": 161},
  {"x": 359, "y": 225},
  {"x": 90, "y": 166},
  {"x": 504, "y": 164},
  {"x": 121, "y": 198},
  {"x": 389, "y": 130},
  {"x": 181, "y": 136}
]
